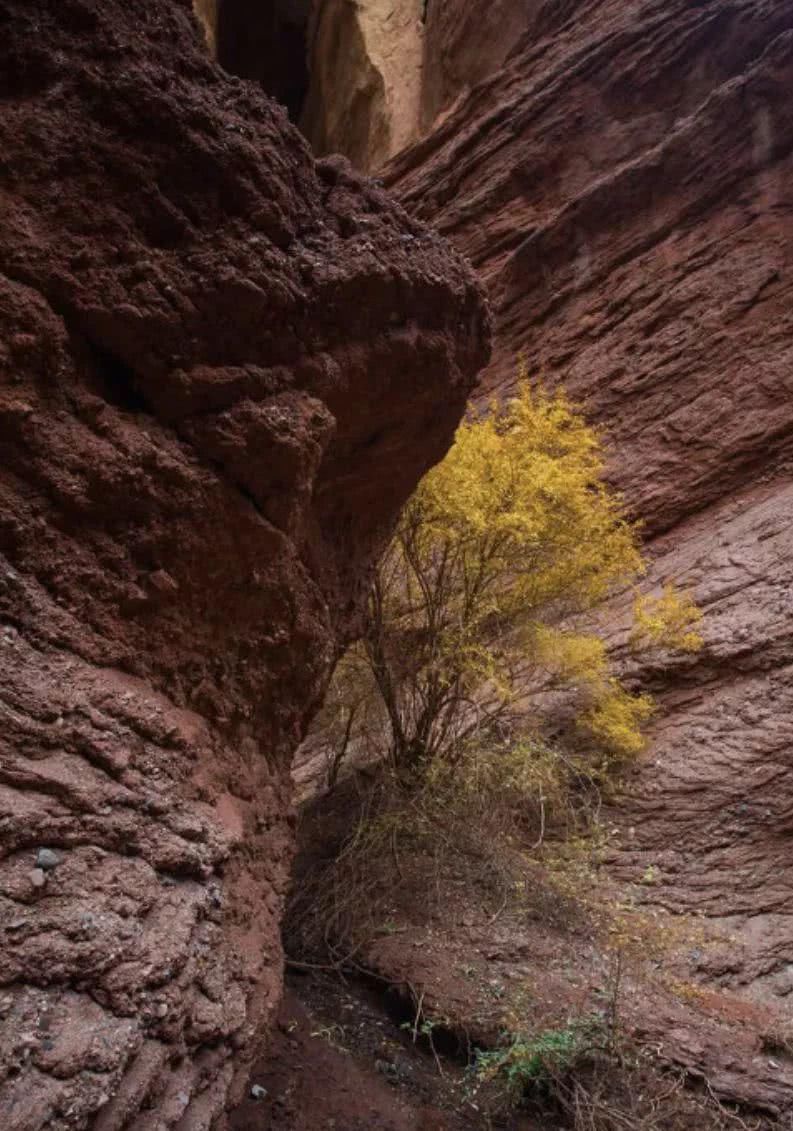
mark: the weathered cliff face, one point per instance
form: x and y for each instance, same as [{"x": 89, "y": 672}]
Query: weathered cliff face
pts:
[
  {"x": 464, "y": 43},
  {"x": 364, "y": 79},
  {"x": 382, "y": 71},
  {"x": 624, "y": 184},
  {"x": 623, "y": 188},
  {"x": 222, "y": 368},
  {"x": 365, "y": 63},
  {"x": 207, "y": 13}
]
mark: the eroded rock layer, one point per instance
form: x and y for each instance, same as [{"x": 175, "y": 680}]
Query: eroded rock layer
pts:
[
  {"x": 381, "y": 72},
  {"x": 222, "y": 368},
  {"x": 624, "y": 184},
  {"x": 365, "y": 90},
  {"x": 624, "y": 188}
]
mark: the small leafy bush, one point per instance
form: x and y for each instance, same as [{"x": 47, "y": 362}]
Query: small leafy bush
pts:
[
  {"x": 668, "y": 621},
  {"x": 533, "y": 1061}
]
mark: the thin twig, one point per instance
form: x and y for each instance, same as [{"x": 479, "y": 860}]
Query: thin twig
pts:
[
  {"x": 541, "y": 837},
  {"x": 417, "y": 1018}
]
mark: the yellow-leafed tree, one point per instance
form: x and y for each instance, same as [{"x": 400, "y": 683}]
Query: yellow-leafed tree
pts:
[{"x": 502, "y": 550}]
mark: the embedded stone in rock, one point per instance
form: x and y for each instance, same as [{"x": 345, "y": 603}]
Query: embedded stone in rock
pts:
[
  {"x": 222, "y": 369},
  {"x": 47, "y": 860}
]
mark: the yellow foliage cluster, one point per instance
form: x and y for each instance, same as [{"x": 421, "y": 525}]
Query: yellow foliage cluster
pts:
[
  {"x": 668, "y": 621},
  {"x": 521, "y": 498},
  {"x": 616, "y": 717},
  {"x": 500, "y": 553}
]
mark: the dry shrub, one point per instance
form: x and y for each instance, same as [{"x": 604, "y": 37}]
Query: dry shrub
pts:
[
  {"x": 492, "y": 822},
  {"x": 513, "y": 830},
  {"x": 585, "y": 1081},
  {"x": 779, "y": 1041},
  {"x": 346, "y": 866}
]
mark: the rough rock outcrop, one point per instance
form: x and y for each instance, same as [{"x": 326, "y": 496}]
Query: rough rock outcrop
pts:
[
  {"x": 222, "y": 367},
  {"x": 624, "y": 184}
]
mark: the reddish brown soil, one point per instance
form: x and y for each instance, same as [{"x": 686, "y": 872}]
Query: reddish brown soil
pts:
[
  {"x": 222, "y": 368},
  {"x": 337, "y": 1062},
  {"x": 533, "y": 975},
  {"x": 311, "y": 1082}
]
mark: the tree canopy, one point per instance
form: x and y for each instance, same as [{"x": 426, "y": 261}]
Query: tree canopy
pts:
[{"x": 487, "y": 588}]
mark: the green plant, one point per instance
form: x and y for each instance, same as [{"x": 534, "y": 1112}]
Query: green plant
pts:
[
  {"x": 576, "y": 1076},
  {"x": 425, "y": 1026},
  {"x": 531, "y": 1061}
]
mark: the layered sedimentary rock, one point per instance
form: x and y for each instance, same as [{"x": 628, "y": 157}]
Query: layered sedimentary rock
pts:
[
  {"x": 365, "y": 88},
  {"x": 222, "y": 368},
  {"x": 462, "y": 44},
  {"x": 382, "y": 71},
  {"x": 624, "y": 184}
]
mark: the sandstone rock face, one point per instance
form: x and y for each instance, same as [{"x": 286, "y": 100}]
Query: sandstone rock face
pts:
[
  {"x": 624, "y": 184},
  {"x": 588, "y": 183},
  {"x": 365, "y": 63},
  {"x": 382, "y": 71},
  {"x": 207, "y": 12},
  {"x": 364, "y": 78},
  {"x": 711, "y": 809},
  {"x": 465, "y": 43},
  {"x": 222, "y": 368}
]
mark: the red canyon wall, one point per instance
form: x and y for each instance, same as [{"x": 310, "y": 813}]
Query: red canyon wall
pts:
[
  {"x": 222, "y": 369},
  {"x": 624, "y": 185}
]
